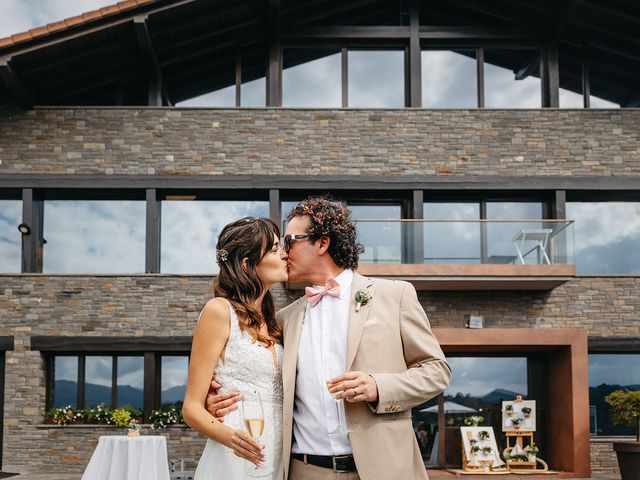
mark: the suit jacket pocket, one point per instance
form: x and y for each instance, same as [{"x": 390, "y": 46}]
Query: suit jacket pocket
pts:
[{"x": 374, "y": 324}]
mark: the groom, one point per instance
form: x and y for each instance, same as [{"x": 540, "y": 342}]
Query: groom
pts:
[{"x": 371, "y": 335}]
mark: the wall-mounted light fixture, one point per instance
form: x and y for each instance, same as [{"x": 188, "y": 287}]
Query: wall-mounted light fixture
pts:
[{"x": 24, "y": 229}]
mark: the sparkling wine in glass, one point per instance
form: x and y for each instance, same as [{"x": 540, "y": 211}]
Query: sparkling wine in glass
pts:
[
  {"x": 342, "y": 424},
  {"x": 253, "y": 417}
]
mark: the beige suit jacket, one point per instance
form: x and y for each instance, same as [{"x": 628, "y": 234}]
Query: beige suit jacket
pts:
[{"x": 391, "y": 339}]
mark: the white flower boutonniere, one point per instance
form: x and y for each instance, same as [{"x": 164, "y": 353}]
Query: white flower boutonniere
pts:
[{"x": 362, "y": 297}]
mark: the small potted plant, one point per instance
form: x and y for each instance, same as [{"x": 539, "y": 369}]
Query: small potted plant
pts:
[
  {"x": 483, "y": 435},
  {"x": 625, "y": 409},
  {"x": 475, "y": 450},
  {"x": 473, "y": 442},
  {"x": 487, "y": 450},
  {"x": 531, "y": 451},
  {"x": 516, "y": 422},
  {"x": 526, "y": 411},
  {"x": 134, "y": 428},
  {"x": 509, "y": 409}
]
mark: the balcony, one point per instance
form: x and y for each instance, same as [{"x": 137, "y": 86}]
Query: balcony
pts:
[{"x": 469, "y": 254}]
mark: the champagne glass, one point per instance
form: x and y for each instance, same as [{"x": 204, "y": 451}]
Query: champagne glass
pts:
[
  {"x": 339, "y": 403},
  {"x": 253, "y": 417}
]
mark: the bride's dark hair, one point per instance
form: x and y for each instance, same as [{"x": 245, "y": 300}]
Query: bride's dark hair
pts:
[{"x": 250, "y": 238}]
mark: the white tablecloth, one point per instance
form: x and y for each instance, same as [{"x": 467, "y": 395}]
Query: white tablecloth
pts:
[{"x": 119, "y": 457}]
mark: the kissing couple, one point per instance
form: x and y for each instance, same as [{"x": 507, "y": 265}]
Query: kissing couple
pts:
[{"x": 323, "y": 388}]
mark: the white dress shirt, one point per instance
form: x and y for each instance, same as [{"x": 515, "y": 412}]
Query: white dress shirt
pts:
[{"x": 322, "y": 355}]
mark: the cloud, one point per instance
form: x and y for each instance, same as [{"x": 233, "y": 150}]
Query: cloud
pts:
[
  {"x": 478, "y": 376},
  {"x": 91, "y": 236},
  {"x": 10, "y": 239},
  {"x": 98, "y": 370},
  {"x": 313, "y": 84},
  {"x": 190, "y": 230},
  {"x": 614, "y": 369},
  {"x": 449, "y": 80},
  {"x": 17, "y": 16},
  {"x": 175, "y": 370}
]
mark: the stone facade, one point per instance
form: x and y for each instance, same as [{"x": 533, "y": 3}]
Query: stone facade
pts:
[
  {"x": 160, "y": 141},
  {"x": 403, "y": 142}
]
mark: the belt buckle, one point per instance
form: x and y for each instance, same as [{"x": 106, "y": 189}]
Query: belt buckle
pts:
[{"x": 335, "y": 460}]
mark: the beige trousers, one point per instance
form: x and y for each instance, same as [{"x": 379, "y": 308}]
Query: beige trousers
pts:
[{"x": 299, "y": 471}]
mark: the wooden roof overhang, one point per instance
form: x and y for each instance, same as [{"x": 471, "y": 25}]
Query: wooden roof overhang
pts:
[{"x": 191, "y": 47}]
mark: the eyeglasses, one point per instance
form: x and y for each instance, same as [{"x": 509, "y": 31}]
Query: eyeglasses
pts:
[{"x": 292, "y": 237}]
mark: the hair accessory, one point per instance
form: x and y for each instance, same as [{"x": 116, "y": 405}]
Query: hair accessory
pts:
[{"x": 222, "y": 255}]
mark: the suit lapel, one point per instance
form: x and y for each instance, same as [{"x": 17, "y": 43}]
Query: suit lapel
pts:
[{"x": 357, "y": 319}]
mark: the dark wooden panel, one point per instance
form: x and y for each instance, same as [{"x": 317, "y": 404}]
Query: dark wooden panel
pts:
[
  {"x": 110, "y": 344},
  {"x": 614, "y": 344},
  {"x": 6, "y": 343}
]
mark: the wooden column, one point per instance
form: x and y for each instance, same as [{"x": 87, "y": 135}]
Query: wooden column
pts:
[
  {"x": 551, "y": 76},
  {"x": 414, "y": 70},
  {"x": 274, "y": 59},
  {"x": 275, "y": 212},
  {"x": 417, "y": 228},
  {"x": 152, "y": 241},
  {"x": 33, "y": 217}
]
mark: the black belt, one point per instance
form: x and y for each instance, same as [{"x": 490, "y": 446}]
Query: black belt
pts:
[{"x": 338, "y": 463}]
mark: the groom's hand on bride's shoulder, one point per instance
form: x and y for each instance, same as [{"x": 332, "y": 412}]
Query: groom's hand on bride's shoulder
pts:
[
  {"x": 355, "y": 387},
  {"x": 221, "y": 404}
]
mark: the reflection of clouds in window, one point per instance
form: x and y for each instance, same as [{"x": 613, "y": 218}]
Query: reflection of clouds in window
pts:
[
  {"x": 98, "y": 370},
  {"x": 10, "y": 239},
  {"x": 380, "y": 239},
  {"x": 607, "y": 236},
  {"x": 614, "y": 369},
  {"x": 376, "y": 78},
  {"x": 596, "y": 102},
  {"x": 501, "y": 247},
  {"x": 313, "y": 84},
  {"x": 66, "y": 368},
  {"x": 253, "y": 93},
  {"x": 448, "y": 80},
  {"x": 502, "y": 90},
  {"x": 569, "y": 99},
  {"x": 131, "y": 371},
  {"x": 225, "y": 97},
  {"x": 450, "y": 242},
  {"x": 478, "y": 376},
  {"x": 190, "y": 232},
  {"x": 94, "y": 236},
  {"x": 174, "y": 379}
]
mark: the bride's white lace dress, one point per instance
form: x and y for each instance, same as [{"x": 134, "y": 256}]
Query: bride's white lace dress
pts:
[{"x": 247, "y": 367}]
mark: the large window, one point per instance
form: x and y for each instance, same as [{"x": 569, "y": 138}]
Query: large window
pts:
[
  {"x": 376, "y": 78},
  {"x": 190, "y": 230},
  {"x": 317, "y": 83},
  {"x": 452, "y": 241},
  {"x": 504, "y": 88},
  {"x": 502, "y": 237},
  {"x": 607, "y": 237},
  {"x": 94, "y": 236},
  {"x": 449, "y": 79},
  {"x": 382, "y": 239},
  {"x": 10, "y": 240},
  {"x": 478, "y": 387},
  {"x": 116, "y": 380},
  {"x": 607, "y": 373}
]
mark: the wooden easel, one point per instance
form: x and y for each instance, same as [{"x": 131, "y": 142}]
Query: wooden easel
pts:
[{"x": 518, "y": 438}]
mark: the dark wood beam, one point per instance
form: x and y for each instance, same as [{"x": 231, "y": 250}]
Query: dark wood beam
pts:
[
  {"x": 564, "y": 15},
  {"x": 586, "y": 83},
  {"x": 152, "y": 240},
  {"x": 32, "y": 244},
  {"x": 150, "y": 59},
  {"x": 275, "y": 212},
  {"x": 480, "y": 33},
  {"x": 231, "y": 183},
  {"x": 529, "y": 68},
  {"x": 274, "y": 57},
  {"x": 614, "y": 344},
  {"x": 58, "y": 343},
  {"x": 550, "y": 75},
  {"x": 414, "y": 69},
  {"x": 345, "y": 33},
  {"x": 18, "y": 90}
]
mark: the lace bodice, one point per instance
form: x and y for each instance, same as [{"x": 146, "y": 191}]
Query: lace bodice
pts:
[{"x": 248, "y": 366}]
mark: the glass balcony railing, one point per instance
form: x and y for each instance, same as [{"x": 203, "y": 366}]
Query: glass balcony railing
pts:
[{"x": 515, "y": 242}]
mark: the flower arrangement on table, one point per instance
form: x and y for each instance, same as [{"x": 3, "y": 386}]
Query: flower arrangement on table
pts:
[
  {"x": 473, "y": 421},
  {"x": 119, "y": 417}
]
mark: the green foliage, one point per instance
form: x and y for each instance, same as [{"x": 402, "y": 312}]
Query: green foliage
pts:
[
  {"x": 473, "y": 421},
  {"x": 164, "y": 418},
  {"x": 531, "y": 449},
  {"x": 625, "y": 408},
  {"x": 121, "y": 417},
  {"x": 63, "y": 415}
]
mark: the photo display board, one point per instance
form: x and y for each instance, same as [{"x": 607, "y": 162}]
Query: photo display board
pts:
[{"x": 519, "y": 415}]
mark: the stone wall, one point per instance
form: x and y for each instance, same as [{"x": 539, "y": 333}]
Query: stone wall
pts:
[
  {"x": 604, "y": 463},
  {"x": 170, "y": 141},
  {"x": 167, "y": 305}
]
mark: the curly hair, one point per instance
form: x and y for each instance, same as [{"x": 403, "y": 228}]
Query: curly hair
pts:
[
  {"x": 333, "y": 220},
  {"x": 250, "y": 238}
]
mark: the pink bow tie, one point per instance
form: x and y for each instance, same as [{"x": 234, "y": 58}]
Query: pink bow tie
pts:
[{"x": 315, "y": 294}]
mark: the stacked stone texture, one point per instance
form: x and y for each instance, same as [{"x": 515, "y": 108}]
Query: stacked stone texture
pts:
[{"x": 403, "y": 142}]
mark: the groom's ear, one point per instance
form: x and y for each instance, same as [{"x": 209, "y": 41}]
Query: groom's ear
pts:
[
  {"x": 323, "y": 245},
  {"x": 244, "y": 264}
]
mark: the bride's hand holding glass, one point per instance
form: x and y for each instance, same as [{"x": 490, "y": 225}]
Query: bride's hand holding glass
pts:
[{"x": 246, "y": 447}]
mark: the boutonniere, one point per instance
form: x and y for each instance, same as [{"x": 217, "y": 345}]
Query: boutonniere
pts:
[{"x": 362, "y": 297}]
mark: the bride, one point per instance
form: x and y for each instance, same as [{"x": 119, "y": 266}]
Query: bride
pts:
[{"x": 238, "y": 340}]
